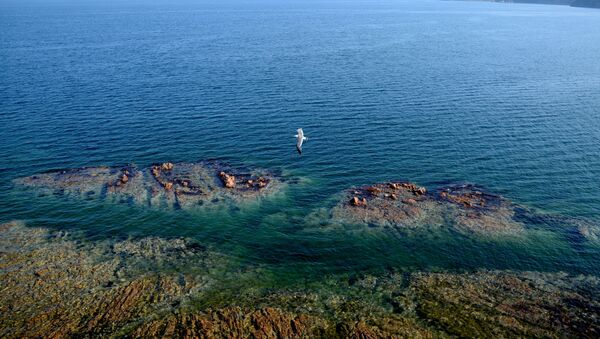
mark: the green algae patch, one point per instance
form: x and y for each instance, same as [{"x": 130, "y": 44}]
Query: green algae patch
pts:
[{"x": 505, "y": 304}]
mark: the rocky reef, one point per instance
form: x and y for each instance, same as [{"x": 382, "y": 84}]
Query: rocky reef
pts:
[
  {"x": 58, "y": 286},
  {"x": 181, "y": 185},
  {"x": 54, "y": 285},
  {"x": 404, "y": 205},
  {"x": 504, "y": 304}
]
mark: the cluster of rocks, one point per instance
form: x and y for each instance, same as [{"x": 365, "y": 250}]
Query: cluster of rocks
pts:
[
  {"x": 462, "y": 208},
  {"x": 243, "y": 181},
  {"x": 400, "y": 205},
  {"x": 405, "y": 205},
  {"x": 393, "y": 191},
  {"x": 181, "y": 185}
]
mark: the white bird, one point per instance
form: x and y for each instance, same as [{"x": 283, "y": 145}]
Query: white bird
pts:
[{"x": 301, "y": 138}]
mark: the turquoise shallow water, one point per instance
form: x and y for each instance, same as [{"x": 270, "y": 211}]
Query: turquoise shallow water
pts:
[{"x": 505, "y": 96}]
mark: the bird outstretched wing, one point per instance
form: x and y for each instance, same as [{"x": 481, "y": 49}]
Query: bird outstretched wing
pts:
[{"x": 300, "y": 140}]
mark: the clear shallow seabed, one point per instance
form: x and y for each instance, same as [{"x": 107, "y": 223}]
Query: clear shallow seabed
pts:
[{"x": 504, "y": 96}]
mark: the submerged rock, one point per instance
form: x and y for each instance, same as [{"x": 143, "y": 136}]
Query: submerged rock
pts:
[
  {"x": 508, "y": 304},
  {"x": 54, "y": 286},
  {"x": 589, "y": 231},
  {"x": 234, "y": 322},
  {"x": 157, "y": 248},
  {"x": 182, "y": 185},
  {"x": 398, "y": 204}
]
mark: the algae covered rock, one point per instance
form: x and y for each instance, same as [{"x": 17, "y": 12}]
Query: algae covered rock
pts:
[
  {"x": 506, "y": 304},
  {"x": 58, "y": 286},
  {"x": 233, "y": 322}
]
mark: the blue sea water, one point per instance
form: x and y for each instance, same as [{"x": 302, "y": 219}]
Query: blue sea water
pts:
[{"x": 506, "y": 96}]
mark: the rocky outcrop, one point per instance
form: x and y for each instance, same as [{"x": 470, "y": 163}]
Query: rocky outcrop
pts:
[
  {"x": 355, "y": 201},
  {"x": 404, "y": 205},
  {"x": 166, "y": 166},
  {"x": 228, "y": 180},
  {"x": 182, "y": 185}
]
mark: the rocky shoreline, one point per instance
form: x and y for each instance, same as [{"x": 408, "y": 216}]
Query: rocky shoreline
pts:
[{"x": 55, "y": 286}]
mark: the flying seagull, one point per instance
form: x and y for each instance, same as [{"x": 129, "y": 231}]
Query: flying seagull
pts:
[{"x": 301, "y": 138}]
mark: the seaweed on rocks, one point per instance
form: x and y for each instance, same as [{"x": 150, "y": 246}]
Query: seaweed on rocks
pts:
[{"x": 54, "y": 286}]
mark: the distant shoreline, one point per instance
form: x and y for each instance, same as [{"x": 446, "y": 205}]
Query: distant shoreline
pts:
[{"x": 571, "y": 3}]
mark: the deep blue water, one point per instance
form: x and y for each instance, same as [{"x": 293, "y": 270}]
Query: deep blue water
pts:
[{"x": 505, "y": 96}]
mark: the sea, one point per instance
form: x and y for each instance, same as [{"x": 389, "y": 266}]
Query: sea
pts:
[{"x": 504, "y": 96}]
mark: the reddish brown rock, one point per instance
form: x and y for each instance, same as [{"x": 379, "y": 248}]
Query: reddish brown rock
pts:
[
  {"x": 167, "y": 166},
  {"x": 262, "y": 182},
  {"x": 373, "y": 190},
  {"x": 228, "y": 180},
  {"x": 234, "y": 322},
  {"x": 355, "y": 201},
  {"x": 410, "y": 201},
  {"x": 466, "y": 198}
]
